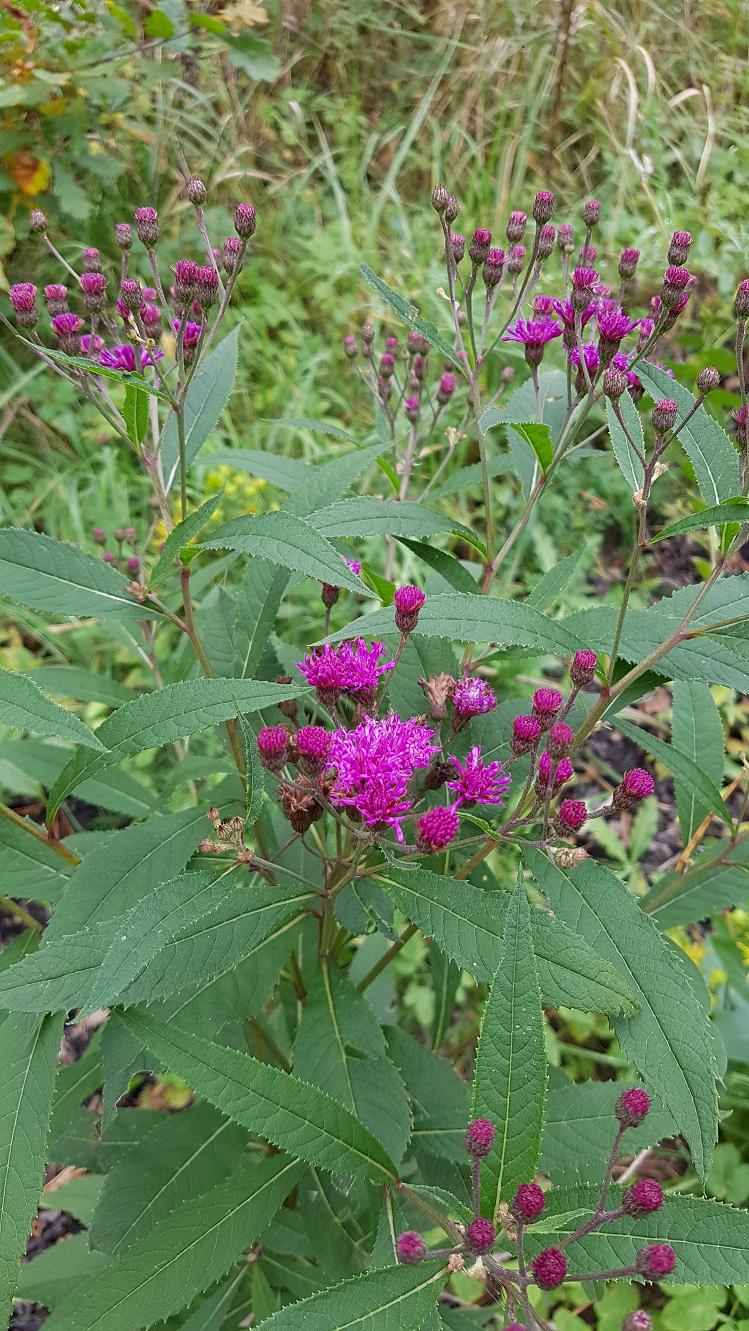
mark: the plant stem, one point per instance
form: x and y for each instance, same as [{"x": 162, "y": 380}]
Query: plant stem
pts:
[
  {"x": 6, "y": 903},
  {"x": 39, "y": 834},
  {"x": 387, "y": 957}
]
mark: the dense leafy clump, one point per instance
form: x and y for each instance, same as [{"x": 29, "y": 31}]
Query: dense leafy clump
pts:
[{"x": 336, "y": 732}]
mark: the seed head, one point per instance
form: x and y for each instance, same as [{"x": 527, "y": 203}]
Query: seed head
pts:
[
  {"x": 196, "y": 191},
  {"x": 147, "y": 226},
  {"x": 526, "y": 731},
  {"x": 408, "y": 601},
  {"x": 529, "y": 1203},
  {"x": 410, "y": 1248},
  {"x": 591, "y": 212},
  {"x": 440, "y": 197},
  {"x": 549, "y": 1268},
  {"x": 481, "y": 1235},
  {"x": 480, "y": 1137},
  {"x": 583, "y": 667},
  {"x": 272, "y": 743},
  {"x": 480, "y": 245},
  {"x": 438, "y": 688},
  {"x": 543, "y": 206},
  {"x": 632, "y": 1106},
  {"x": 656, "y": 1261},
  {"x": 707, "y": 380},
  {"x": 643, "y": 1198},
  {"x": 437, "y": 828},
  {"x": 245, "y": 220}
]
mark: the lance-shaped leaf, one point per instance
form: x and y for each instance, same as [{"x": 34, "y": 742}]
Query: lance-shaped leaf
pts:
[
  {"x": 167, "y": 714},
  {"x": 292, "y": 542},
  {"x": 468, "y": 924},
  {"x": 717, "y": 880},
  {"x": 697, "y": 731},
  {"x": 189, "y": 1250},
  {"x": 710, "y": 451},
  {"x": 396, "y": 1297},
  {"x": 622, "y": 439},
  {"x": 468, "y": 617},
  {"x": 284, "y": 1109},
  {"x": 24, "y": 706},
  {"x": 30, "y": 1045},
  {"x": 731, "y": 510},
  {"x": 711, "y": 1240},
  {"x": 681, "y": 765},
  {"x": 538, "y": 435},
  {"x": 409, "y": 314},
  {"x": 207, "y": 396},
  {"x": 181, "y": 535},
  {"x": 28, "y": 867},
  {"x": 52, "y": 576},
  {"x": 258, "y": 598},
  {"x": 367, "y": 516},
  {"x": 669, "y": 1038},
  {"x": 509, "y": 1082}
]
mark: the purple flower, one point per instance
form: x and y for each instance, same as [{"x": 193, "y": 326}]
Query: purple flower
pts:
[
  {"x": 245, "y": 220},
  {"x": 565, "y": 311},
  {"x": 408, "y": 601},
  {"x": 478, "y": 782},
  {"x": 373, "y": 764},
  {"x": 192, "y": 332},
  {"x": 67, "y": 325},
  {"x": 272, "y": 743},
  {"x": 354, "y": 565},
  {"x": 437, "y": 827},
  {"x": 480, "y": 1137},
  {"x": 561, "y": 771},
  {"x": 23, "y": 297},
  {"x": 363, "y": 669},
  {"x": 147, "y": 226},
  {"x": 124, "y": 357},
  {"x": 592, "y": 358},
  {"x": 447, "y": 385},
  {"x": 614, "y": 324},
  {"x": 326, "y": 671},
  {"x": 410, "y": 1248},
  {"x": 533, "y": 332},
  {"x": 516, "y": 226},
  {"x": 472, "y": 697},
  {"x": 91, "y": 344}
]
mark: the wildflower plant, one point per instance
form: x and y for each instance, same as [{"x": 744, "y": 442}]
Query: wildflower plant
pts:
[{"x": 334, "y": 773}]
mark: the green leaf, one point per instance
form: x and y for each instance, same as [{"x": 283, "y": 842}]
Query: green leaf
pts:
[
  {"x": 629, "y": 464},
  {"x": 669, "y": 1039},
  {"x": 83, "y": 685},
  {"x": 509, "y": 1082},
  {"x": 330, "y": 480},
  {"x": 53, "y": 1273},
  {"x": 717, "y": 880},
  {"x": 52, "y": 576},
  {"x": 182, "y": 535},
  {"x": 710, "y": 451},
  {"x": 283, "y": 1109},
  {"x": 440, "y": 1097},
  {"x": 473, "y": 618},
  {"x": 174, "y": 712},
  {"x": 683, "y": 767},
  {"x": 697, "y": 732},
  {"x": 189, "y": 1250},
  {"x": 711, "y": 1240},
  {"x": 468, "y": 924},
  {"x": 287, "y": 474},
  {"x": 366, "y": 516},
  {"x": 448, "y": 567},
  {"x": 30, "y": 1046},
  {"x": 579, "y": 1127},
  {"x": 340, "y": 1047},
  {"x": 28, "y": 867},
  {"x": 101, "y": 371},
  {"x": 289, "y": 541},
  {"x": 24, "y": 706},
  {"x": 731, "y": 510},
  {"x": 538, "y": 435},
  {"x": 207, "y": 396},
  {"x": 258, "y": 600},
  {"x": 183, "y": 1158},
  {"x": 553, "y": 583},
  {"x": 410, "y": 315},
  {"x": 396, "y": 1297},
  {"x": 125, "y": 867},
  {"x": 135, "y": 408}
]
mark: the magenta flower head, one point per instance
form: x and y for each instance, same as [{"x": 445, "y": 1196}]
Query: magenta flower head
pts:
[
  {"x": 312, "y": 745},
  {"x": 592, "y": 358},
  {"x": 741, "y": 418},
  {"x": 147, "y": 226},
  {"x": 123, "y": 235},
  {"x": 543, "y": 206},
  {"x": 546, "y": 704},
  {"x": 478, "y": 782},
  {"x": 550, "y": 769},
  {"x": 571, "y": 816},
  {"x": 559, "y": 739},
  {"x": 533, "y": 334},
  {"x": 481, "y": 1235},
  {"x": 411, "y": 1248},
  {"x": 131, "y": 294},
  {"x": 513, "y": 1326},
  {"x": 67, "y": 328},
  {"x": 128, "y": 358},
  {"x": 676, "y": 280},
  {"x": 387, "y": 364},
  {"x": 480, "y": 245},
  {"x": 350, "y": 346},
  {"x": 480, "y": 1137},
  {"x": 132, "y": 563},
  {"x": 93, "y": 286},
  {"x": 584, "y": 281},
  {"x": 583, "y": 667},
  {"x": 543, "y": 305},
  {"x": 664, "y": 415},
  {"x": 206, "y": 285},
  {"x": 565, "y": 238},
  {"x": 741, "y": 299},
  {"x": 632, "y": 1107},
  {"x": 185, "y": 280},
  {"x": 656, "y": 1261},
  {"x": 23, "y": 303},
  {"x": 408, "y": 601},
  {"x": 516, "y": 225},
  {"x": 613, "y": 325},
  {"x": 446, "y": 387},
  {"x": 549, "y": 1268},
  {"x": 526, "y": 732},
  {"x": 493, "y": 268},
  {"x": 56, "y": 296},
  {"x": 638, "y": 1320},
  {"x": 245, "y": 220},
  {"x": 91, "y": 259},
  {"x": 643, "y": 1198},
  {"x": 457, "y": 246},
  {"x": 90, "y": 344},
  {"x": 568, "y": 313},
  {"x": 546, "y": 241},
  {"x": 678, "y": 250},
  {"x": 636, "y": 785},
  {"x": 326, "y": 671},
  {"x": 109, "y": 557},
  {"x": 272, "y": 743},
  {"x": 412, "y": 408},
  {"x": 373, "y": 765},
  {"x": 529, "y": 1203},
  {"x": 437, "y": 828},
  {"x": 99, "y": 535},
  {"x": 628, "y": 261},
  {"x": 472, "y": 697},
  {"x": 591, "y": 212},
  {"x": 516, "y": 260}
]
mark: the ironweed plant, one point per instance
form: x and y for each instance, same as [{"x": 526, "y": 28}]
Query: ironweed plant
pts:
[{"x": 358, "y": 781}]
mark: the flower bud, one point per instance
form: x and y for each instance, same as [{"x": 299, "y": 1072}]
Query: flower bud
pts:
[
  {"x": 546, "y": 241},
  {"x": 412, "y": 408},
  {"x": 440, "y": 198},
  {"x": 565, "y": 238},
  {"x": 408, "y": 601},
  {"x": 410, "y": 1248},
  {"x": 91, "y": 259},
  {"x": 676, "y": 280},
  {"x": 68, "y": 327},
  {"x": 245, "y": 220},
  {"x": 678, "y": 250},
  {"x": 656, "y": 1261},
  {"x": 37, "y": 220},
  {"x": 367, "y": 334},
  {"x": 452, "y": 208},
  {"x": 643, "y": 1198},
  {"x": 549, "y": 1268},
  {"x": 447, "y": 385},
  {"x": 147, "y": 226},
  {"x": 591, "y": 212},
  {"x": 132, "y": 563},
  {"x": 272, "y": 743},
  {"x": 481, "y": 1235},
  {"x": 546, "y": 704},
  {"x": 231, "y": 253},
  {"x": 206, "y": 285},
  {"x": 583, "y": 667},
  {"x": 437, "y": 828},
  {"x": 559, "y": 739},
  {"x": 312, "y": 744},
  {"x": 493, "y": 267},
  {"x": 93, "y": 286},
  {"x": 628, "y": 261},
  {"x": 741, "y": 300},
  {"x": 99, "y": 535},
  {"x": 56, "y": 296},
  {"x": 23, "y": 303},
  {"x": 516, "y": 261},
  {"x": 109, "y": 558},
  {"x": 614, "y": 383},
  {"x": 571, "y": 816},
  {"x": 528, "y": 1204},
  {"x": 457, "y": 246},
  {"x": 526, "y": 732},
  {"x": 350, "y": 347},
  {"x": 543, "y": 206},
  {"x": 636, "y": 785},
  {"x": 480, "y": 1137},
  {"x": 516, "y": 227},
  {"x": 123, "y": 235},
  {"x": 549, "y": 768},
  {"x": 707, "y": 380},
  {"x": 196, "y": 191},
  {"x": 387, "y": 364},
  {"x": 480, "y": 245},
  {"x": 131, "y": 294},
  {"x": 664, "y": 415},
  {"x": 632, "y": 1107},
  {"x": 638, "y": 1320}
]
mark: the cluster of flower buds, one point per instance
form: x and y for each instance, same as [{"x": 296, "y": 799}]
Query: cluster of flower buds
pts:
[
  {"x": 549, "y": 1268},
  {"x": 399, "y": 377},
  {"x": 180, "y": 318},
  {"x": 122, "y": 537}
]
